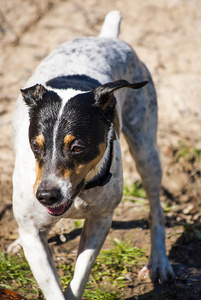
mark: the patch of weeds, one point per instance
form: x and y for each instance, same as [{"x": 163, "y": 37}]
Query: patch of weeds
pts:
[
  {"x": 78, "y": 223},
  {"x": 67, "y": 276},
  {"x": 168, "y": 207},
  {"x": 188, "y": 152},
  {"x": 16, "y": 274},
  {"x": 110, "y": 271},
  {"x": 109, "y": 277},
  {"x": 101, "y": 293},
  {"x": 135, "y": 191}
]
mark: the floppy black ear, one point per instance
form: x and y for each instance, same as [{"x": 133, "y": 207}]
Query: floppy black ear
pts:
[
  {"x": 103, "y": 94},
  {"x": 33, "y": 94}
]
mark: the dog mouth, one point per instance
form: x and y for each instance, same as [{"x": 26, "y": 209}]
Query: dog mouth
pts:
[{"x": 59, "y": 209}]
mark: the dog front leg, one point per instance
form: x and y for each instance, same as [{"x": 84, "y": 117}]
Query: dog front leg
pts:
[
  {"x": 93, "y": 236},
  {"x": 40, "y": 259}
]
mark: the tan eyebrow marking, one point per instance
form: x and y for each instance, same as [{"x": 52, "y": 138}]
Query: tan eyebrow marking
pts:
[
  {"x": 68, "y": 139},
  {"x": 40, "y": 139}
]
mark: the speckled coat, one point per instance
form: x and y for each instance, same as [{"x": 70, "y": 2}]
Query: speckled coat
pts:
[{"x": 106, "y": 59}]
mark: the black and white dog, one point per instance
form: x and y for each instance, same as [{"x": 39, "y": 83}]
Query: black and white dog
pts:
[{"x": 66, "y": 129}]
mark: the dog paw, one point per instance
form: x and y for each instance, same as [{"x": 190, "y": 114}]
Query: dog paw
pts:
[
  {"x": 159, "y": 272},
  {"x": 14, "y": 247}
]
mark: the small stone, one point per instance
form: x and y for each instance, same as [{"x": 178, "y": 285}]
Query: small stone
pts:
[{"x": 188, "y": 209}]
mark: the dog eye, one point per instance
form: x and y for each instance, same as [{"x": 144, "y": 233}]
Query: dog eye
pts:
[
  {"x": 76, "y": 149},
  {"x": 35, "y": 147}
]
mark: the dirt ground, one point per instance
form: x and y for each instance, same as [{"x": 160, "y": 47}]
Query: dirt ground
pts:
[{"x": 166, "y": 36}]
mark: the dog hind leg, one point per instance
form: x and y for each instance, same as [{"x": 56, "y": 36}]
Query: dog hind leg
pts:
[
  {"x": 148, "y": 166},
  {"x": 139, "y": 128}
]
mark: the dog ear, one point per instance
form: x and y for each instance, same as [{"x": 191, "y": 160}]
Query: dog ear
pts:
[
  {"x": 103, "y": 94},
  {"x": 33, "y": 94}
]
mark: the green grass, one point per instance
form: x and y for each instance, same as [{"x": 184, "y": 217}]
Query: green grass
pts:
[
  {"x": 15, "y": 272},
  {"x": 136, "y": 190},
  {"x": 107, "y": 281},
  {"x": 167, "y": 207},
  {"x": 78, "y": 223},
  {"x": 110, "y": 271},
  {"x": 190, "y": 153},
  {"x": 113, "y": 268}
]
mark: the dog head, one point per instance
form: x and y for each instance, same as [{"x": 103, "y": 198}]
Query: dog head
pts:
[{"x": 68, "y": 138}]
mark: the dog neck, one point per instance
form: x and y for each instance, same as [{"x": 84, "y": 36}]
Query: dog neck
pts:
[{"x": 102, "y": 175}]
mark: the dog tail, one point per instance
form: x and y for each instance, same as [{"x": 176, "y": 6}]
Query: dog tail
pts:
[{"x": 111, "y": 25}]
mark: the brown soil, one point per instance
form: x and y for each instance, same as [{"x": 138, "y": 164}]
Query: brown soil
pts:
[{"x": 165, "y": 35}]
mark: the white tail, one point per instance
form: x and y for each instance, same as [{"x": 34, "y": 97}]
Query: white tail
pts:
[{"x": 111, "y": 25}]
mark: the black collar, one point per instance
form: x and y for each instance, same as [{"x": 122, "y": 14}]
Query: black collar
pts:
[{"x": 105, "y": 177}]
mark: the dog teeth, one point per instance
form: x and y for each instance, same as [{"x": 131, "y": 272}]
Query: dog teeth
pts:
[
  {"x": 57, "y": 206},
  {"x": 57, "y": 210}
]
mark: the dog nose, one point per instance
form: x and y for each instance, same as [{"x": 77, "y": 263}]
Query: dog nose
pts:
[{"x": 48, "y": 196}]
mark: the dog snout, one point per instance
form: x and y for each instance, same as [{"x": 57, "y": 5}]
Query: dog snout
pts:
[{"x": 48, "y": 196}]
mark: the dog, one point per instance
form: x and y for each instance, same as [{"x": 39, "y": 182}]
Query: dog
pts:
[{"x": 66, "y": 129}]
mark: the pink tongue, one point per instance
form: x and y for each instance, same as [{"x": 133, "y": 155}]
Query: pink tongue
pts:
[{"x": 57, "y": 210}]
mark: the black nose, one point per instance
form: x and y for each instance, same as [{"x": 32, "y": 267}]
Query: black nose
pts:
[{"x": 48, "y": 196}]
